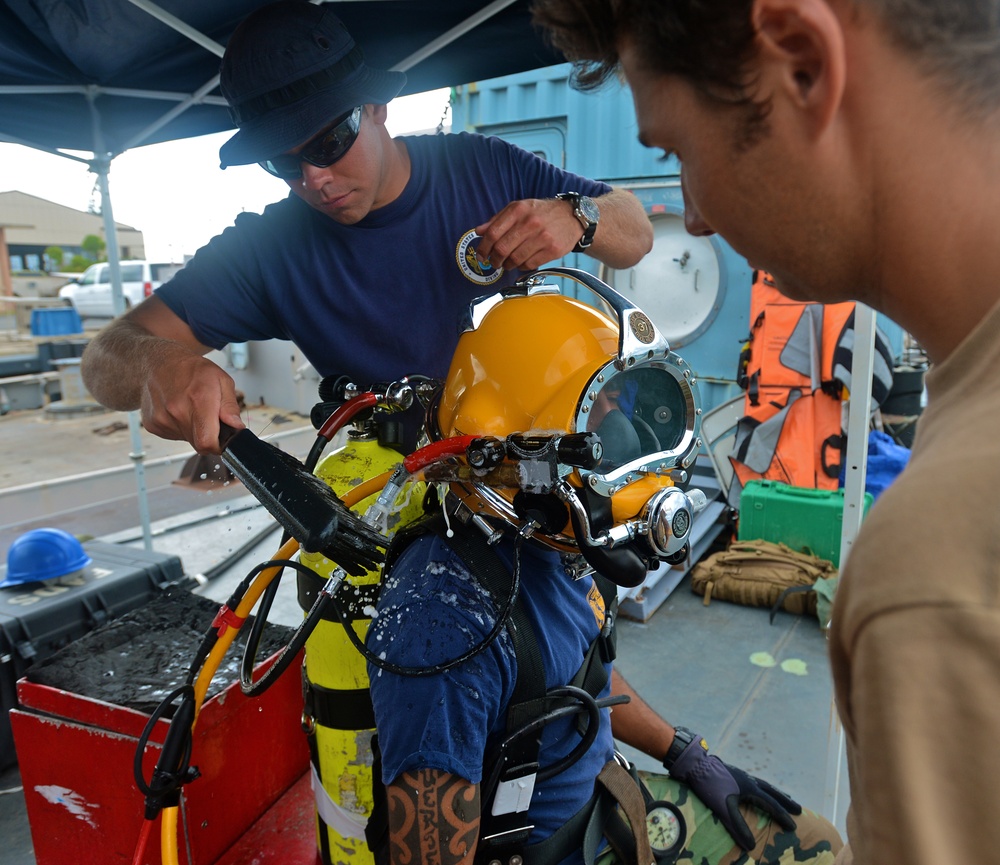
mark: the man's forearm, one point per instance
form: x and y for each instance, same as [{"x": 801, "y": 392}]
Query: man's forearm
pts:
[
  {"x": 624, "y": 234},
  {"x": 637, "y": 724},
  {"x": 433, "y": 818},
  {"x": 117, "y": 363},
  {"x": 150, "y": 360}
]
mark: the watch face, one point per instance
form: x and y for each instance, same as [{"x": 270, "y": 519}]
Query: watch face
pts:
[
  {"x": 589, "y": 209},
  {"x": 666, "y": 829}
]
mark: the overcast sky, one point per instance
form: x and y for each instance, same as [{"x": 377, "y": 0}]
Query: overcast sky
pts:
[{"x": 175, "y": 193}]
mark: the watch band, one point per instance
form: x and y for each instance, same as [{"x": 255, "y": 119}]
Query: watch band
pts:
[
  {"x": 682, "y": 738},
  {"x": 582, "y": 206},
  {"x": 583, "y": 244}
]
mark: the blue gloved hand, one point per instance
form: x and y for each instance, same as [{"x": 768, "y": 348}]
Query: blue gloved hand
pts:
[{"x": 724, "y": 788}]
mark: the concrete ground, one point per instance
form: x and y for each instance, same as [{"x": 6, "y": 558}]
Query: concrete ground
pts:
[
  {"x": 760, "y": 693},
  {"x": 76, "y": 471}
]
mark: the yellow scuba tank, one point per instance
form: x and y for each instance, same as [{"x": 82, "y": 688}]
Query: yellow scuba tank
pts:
[{"x": 338, "y": 717}]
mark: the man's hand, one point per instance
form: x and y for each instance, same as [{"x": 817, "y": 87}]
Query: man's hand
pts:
[
  {"x": 149, "y": 359},
  {"x": 527, "y": 234},
  {"x": 724, "y": 788},
  {"x": 187, "y": 399}
]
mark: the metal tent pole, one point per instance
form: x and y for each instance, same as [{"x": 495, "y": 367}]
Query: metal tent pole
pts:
[
  {"x": 101, "y": 166},
  {"x": 137, "y": 454},
  {"x": 859, "y": 414},
  {"x": 456, "y": 32}
]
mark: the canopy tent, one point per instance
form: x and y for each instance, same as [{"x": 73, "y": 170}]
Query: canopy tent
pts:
[{"x": 107, "y": 75}]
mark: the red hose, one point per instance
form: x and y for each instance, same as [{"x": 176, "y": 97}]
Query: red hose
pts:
[
  {"x": 346, "y": 412},
  {"x": 437, "y": 450},
  {"x": 140, "y": 848}
]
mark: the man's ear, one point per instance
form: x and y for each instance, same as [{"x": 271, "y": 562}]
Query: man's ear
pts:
[
  {"x": 378, "y": 112},
  {"x": 801, "y": 43}
]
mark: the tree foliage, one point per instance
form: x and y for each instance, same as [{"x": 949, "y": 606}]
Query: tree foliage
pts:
[
  {"x": 93, "y": 246},
  {"x": 53, "y": 256},
  {"x": 78, "y": 264}
]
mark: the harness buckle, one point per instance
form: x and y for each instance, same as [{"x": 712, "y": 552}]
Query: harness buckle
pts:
[{"x": 513, "y": 795}]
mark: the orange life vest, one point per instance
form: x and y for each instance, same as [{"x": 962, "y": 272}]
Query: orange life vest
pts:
[{"x": 795, "y": 367}]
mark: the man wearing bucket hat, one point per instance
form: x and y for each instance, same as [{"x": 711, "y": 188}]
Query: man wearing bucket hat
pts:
[{"x": 370, "y": 260}]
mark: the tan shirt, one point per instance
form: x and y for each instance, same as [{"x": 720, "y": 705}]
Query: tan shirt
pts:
[{"x": 915, "y": 637}]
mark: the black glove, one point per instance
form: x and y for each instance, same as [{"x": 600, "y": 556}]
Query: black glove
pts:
[{"x": 724, "y": 788}]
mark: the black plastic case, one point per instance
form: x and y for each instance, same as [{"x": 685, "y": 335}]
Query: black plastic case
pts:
[{"x": 37, "y": 619}]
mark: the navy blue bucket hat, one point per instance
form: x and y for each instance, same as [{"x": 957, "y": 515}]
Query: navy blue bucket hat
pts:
[{"x": 289, "y": 69}]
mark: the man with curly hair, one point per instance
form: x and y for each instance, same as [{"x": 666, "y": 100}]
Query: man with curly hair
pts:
[{"x": 852, "y": 150}]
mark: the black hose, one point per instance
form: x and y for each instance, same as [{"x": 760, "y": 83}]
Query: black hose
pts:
[
  {"x": 318, "y": 611},
  {"x": 585, "y": 702},
  {"x": 435, "y": 669},
  {"x": 248, "y": 686},
  {"x": 257, "y": 632},
  {"x": 315, "y": 452},
  {"x": 211, "y": 636},
  {"x": 173, "y": 766},
  {"x": 291, "y": 648},
  {"x": 586, "y": 740}
]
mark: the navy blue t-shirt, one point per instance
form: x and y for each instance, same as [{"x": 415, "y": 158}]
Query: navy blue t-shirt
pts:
[
  {"x": 432, "y": 610},
  {"x": 379, "y": 299}
]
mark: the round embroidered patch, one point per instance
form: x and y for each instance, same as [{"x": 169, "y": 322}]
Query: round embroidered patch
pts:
[{"x": 479, "y": 272}]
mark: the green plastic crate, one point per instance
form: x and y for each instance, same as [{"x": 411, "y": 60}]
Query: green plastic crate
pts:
[{"x": 802, "y": 518}]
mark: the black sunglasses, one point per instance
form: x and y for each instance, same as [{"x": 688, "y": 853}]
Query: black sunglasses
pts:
[{"x": 322, "y": 151}]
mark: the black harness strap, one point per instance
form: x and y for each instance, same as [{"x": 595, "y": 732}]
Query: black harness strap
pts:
[
  {"x": 606, "y": 644},
  {"x": 583, "y": 829},
  {"x": 339, "y": 709},
  {"x": 617, "y": 790},
  {"x": 503, "y": 835},
  {"x": 484, "y": 564}
]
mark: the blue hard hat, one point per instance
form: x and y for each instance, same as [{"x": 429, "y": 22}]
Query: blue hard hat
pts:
[{"x": 43, "y": 554}]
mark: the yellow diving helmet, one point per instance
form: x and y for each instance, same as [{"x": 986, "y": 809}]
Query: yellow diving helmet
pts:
[{"x": 586, "y": 420}]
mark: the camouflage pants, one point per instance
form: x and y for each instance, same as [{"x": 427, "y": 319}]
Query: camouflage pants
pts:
[{"x": 814, "y": 841}]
